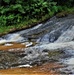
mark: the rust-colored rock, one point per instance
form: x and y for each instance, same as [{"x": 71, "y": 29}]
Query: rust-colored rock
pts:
[
  {"x": 45, "y": 69},
  {"x": 15, "y": 45}
]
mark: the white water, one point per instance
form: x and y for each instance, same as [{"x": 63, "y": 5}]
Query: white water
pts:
[
  {"x": 27, "y": 65},
  {"x": 18, "y": 36},
  {"x": 2, "y": 41},
  {"x": 69, "y": 61},
  {"x": 62, "y": 31},
  {"x": 67, "y": 36},
  {"x": 12, "y": 38}
]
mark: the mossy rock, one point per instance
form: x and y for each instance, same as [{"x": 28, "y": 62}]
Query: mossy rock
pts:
[
  {"x": 56, "y": 53},
  {"x": 62, "y": 14},
  {"x": 7, "y": 59}
]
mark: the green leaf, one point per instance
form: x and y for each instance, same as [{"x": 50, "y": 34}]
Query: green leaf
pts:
[
  {"x": 7, "y": 1},
  {"x": 4, "y": 10},
  {"x": 55, "y": 9}
]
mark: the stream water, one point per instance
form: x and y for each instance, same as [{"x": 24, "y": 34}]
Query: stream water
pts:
[{"x": 56, "y": 30}]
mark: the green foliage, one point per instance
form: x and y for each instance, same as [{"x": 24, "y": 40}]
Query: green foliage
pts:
[
  {"x": 3, "y": 20},
  {"x": 15, "y": 11},
  {"x": 67, "y": 3},
  {"x": 7, "y": 1}
]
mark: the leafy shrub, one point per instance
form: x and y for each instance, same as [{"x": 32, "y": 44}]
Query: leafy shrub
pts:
[
  {"x": 12, "y": 12},
  {"x": 65, "y": 2},
  {"x": 16, "y": 11}
]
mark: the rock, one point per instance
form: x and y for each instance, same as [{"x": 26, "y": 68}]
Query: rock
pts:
[
  {"x": 54, "y": 30},
  {"x": 7, "y": 59},
  {"x": 67, "y": 36}
]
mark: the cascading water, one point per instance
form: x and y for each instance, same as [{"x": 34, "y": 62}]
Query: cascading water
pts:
[
  {"x": 55, "y": 32},
  {"x": 47, "y": 32},
  {"x": 12, "y": 38}
]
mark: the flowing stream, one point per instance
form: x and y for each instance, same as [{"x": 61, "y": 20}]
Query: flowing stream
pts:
[{"x": 51, "y": 41}]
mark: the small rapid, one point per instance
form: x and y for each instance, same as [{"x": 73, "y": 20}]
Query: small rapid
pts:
[
  {"x": 55, "y": 29},
  {"x": 53, "y": 40}
]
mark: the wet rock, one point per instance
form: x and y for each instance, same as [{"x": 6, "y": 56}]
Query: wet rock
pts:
[
  {"x": 67, "y": 35},
  {"x": 55, "y": 34},
  {"x": 7, "y": 59}
]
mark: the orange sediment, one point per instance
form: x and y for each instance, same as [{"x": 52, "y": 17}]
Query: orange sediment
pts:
[
  {"x": 45, "y": 69},
  {"x": 15, "y": 45}
]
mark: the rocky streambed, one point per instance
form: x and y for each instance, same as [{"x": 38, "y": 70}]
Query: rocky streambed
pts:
[{"x": 46, "y": 43}]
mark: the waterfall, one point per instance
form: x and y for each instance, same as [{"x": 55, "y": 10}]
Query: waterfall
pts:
[
  {"x": 12, "y": 38},
  {"x": 54, "y": 30},
  {"x": 57, "y": 34}
]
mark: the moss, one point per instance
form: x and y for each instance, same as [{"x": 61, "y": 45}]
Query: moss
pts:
[
  {"x": 65, "y": 12},
  {"x": 70, "y": 10},
  {"x": 62, "y": 14},
  {"x": 55, "y": 53}
]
